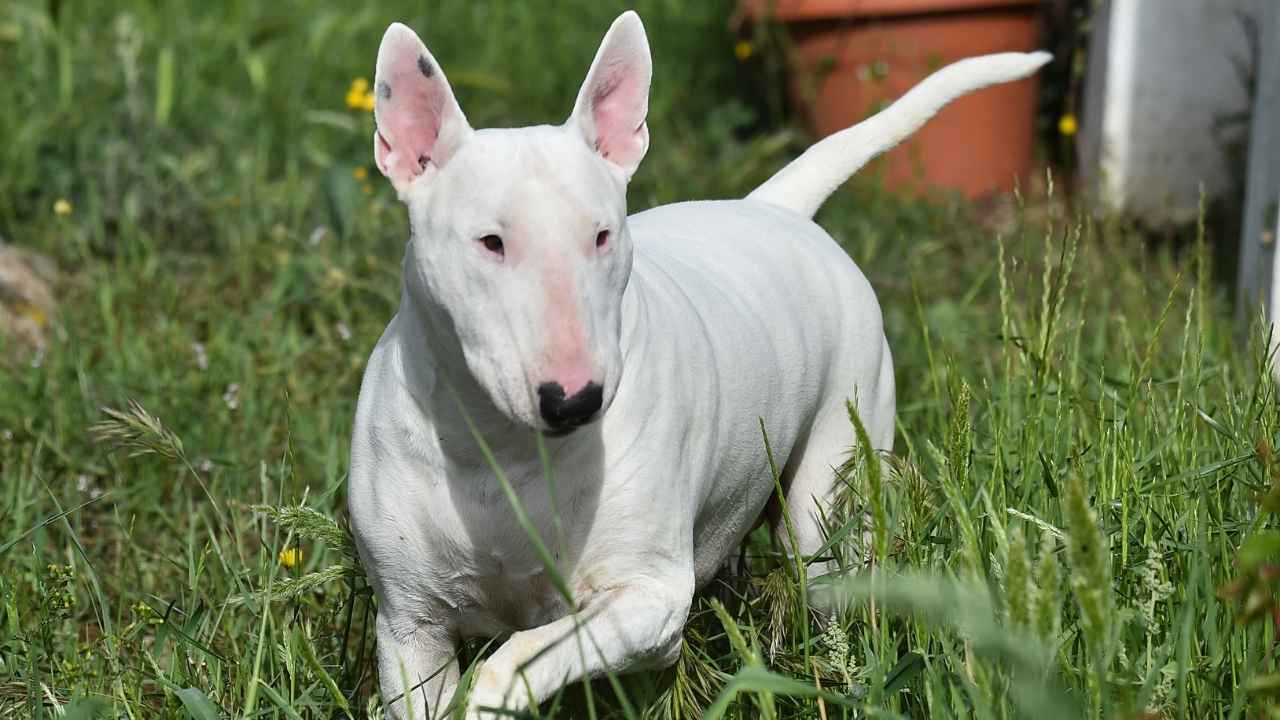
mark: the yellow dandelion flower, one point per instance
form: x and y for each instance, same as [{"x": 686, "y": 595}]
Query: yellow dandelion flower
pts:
[
  {"x": 361, "y": 173},
  {"x": 1067, "y": 125},
  {"x": 359, "y": 97},
  {"x": 62, "y": 207},
  {"x": 357, "y": 93},
  {"x": 743, "y": 49},
  {"x": 289, "y": 557},
  {"x": 31, "y": 312}
]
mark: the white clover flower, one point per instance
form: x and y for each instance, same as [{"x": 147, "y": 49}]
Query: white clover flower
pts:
[
  {"x": 232, "y": 396},
  {"x": 317, "y": 235},
  {"x": 202, "y": 357}
]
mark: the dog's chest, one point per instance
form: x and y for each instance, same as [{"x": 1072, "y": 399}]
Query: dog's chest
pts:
[
  {"x": 495, "y": 597},
  {"x": 495, "y": 578}
]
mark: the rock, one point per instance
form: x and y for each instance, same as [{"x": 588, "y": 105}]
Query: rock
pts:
[{"x": 27, "y": 305}]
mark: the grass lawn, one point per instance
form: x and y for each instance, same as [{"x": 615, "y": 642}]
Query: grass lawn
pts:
[{"x": 1084, "y": 442}]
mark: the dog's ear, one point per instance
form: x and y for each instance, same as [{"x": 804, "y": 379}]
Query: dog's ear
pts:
[
  {"x": 419, "y": 123},
  {"x": 612, "y": 104}
]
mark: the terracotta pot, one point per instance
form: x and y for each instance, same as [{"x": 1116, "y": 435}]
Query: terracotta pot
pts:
[{"x": 856, "y": 56}]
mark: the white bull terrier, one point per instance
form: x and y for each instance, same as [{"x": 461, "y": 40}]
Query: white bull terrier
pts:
[{"x": 644, "y": 349}]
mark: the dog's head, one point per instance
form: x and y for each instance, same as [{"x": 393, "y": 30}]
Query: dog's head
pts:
[{"x": 519, "y": 235}]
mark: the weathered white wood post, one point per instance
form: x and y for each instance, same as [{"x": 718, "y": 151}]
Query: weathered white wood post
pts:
[
  {"x": 1161, "y": 77},
  {"x": 1258, "y": 257}
]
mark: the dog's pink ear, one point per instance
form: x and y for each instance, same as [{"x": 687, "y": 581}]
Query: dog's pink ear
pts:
[
  {"x": 614, "y": 100},
  {"x": 419, "y": 123}
]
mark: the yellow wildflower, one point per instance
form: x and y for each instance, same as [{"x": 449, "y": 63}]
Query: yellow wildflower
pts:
[
  {"x": 62, "y": 207},
  {"x": 743, "y": 49},
  {"x": 1067, "y": 125},
  {"x": 358, "y": 95},
  {"x": 31, "y": 312},
  {"x": 361, "y": 173},
  {"x": 290, "y": 556},
  {"x": 367, "y": 188}
]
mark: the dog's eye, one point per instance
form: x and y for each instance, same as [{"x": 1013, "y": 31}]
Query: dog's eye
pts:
[
  {"x": 602, "y": 238},
  {"x": 493, "y": 244}
]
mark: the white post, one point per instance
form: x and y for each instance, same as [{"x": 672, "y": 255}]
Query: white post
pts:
[
  {"x": 1258, "y": 256},
  {"x": 1162, "y": 75},
  {"x": 1274, "y": 349}
]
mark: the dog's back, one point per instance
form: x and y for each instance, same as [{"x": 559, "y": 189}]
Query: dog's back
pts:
[
  {"x": 787, "y": 322},
  {"x": 765, "y": 305}
]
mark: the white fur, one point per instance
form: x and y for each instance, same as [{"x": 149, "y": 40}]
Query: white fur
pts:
[
  {"x": 697, "y": 319},
  {"x": 812, "y": 177}
]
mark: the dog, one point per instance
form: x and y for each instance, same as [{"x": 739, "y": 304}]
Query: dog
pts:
[{"x": 631, "y": 359}]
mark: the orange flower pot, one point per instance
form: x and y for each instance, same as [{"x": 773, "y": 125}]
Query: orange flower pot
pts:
[{"x": 855, "y": 56}]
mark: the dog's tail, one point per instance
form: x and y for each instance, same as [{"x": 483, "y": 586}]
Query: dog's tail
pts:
[{"x": 805, "y": 183}]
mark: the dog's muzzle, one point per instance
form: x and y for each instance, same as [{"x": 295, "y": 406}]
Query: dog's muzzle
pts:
[{"x": 564, "y": 415}]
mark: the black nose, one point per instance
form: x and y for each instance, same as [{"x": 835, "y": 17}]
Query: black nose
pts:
[{"x": 564, "y": 414}]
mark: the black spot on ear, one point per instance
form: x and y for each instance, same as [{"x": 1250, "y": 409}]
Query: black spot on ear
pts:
[
  {"x": 384, "y": 90},
  {"x": 425, "y": 67},
  {"x": 422, "y": 161}
]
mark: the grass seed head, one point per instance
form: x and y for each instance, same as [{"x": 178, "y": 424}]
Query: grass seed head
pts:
[
  {"x": 1090, "y": 579},
  {"x": 1048, "y": 581},
  {"x": 137, "y": 431},
  {"x": 1017, "y": 582}
]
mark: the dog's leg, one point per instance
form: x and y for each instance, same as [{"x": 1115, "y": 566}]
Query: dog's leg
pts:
[
  {"x": 418, "y": 668},
  {"x": 630, "y": 627},
  {"x": 812, "y": 482}
]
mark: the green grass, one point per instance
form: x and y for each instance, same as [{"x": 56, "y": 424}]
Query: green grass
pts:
[{"x": 1083, "y": 431}]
